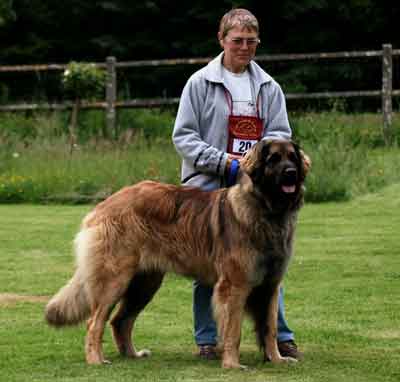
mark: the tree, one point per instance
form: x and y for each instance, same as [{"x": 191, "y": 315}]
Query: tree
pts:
[
  {"x": 83, "y": 82},
  {"x": 40, "y": 31},
  {"x": 7, "y": 13}
]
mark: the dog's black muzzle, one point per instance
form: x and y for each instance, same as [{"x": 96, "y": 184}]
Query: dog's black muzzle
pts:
[
  {"x": 288, "y": 180},
  {"x": 289, "y": 176}
]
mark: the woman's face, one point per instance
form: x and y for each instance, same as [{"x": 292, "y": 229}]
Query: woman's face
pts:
[{"x": 240, "y": 45}]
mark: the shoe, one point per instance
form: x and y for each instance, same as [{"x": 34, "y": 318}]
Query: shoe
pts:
[
  {"x": 289, "y": 349},
  {"x": 208, "y": 352}
]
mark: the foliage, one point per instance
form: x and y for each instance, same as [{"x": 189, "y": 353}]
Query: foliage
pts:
[
  {"x": 51, "y": 172},
  {"x": 347, "y": 151},
  {"x": 22, "y": 129},
  {"x": 16, "y": 188},
  {"x": 84, "y": 81},
  {"x": 46, "y": 31},
  {"x": 7, "y": 13},
  {"x": 369, "y": 23},
  {"x": 342, "y": 281},
  {"x": 151, "y": 124}
]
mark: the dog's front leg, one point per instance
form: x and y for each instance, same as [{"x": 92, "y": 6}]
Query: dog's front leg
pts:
[
  {"x": 271, "y": 348},
  {"x": 229, "y": 302}
]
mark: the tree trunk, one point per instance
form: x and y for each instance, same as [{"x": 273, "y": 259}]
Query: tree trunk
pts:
[{"x": 73, "y": 126}]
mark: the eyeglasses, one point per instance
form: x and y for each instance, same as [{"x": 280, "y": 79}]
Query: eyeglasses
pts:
[{"x": 238, "y": 41}]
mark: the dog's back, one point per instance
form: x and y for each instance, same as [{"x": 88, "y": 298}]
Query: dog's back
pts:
[{"x": 146, "y": 226}]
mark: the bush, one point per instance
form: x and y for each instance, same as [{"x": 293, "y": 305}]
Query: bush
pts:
[
  {"x": 151, "y": 124},
  {"x": 15, "y": 189},
  {"x": 83, "y": 81},
  {"x": 51, "y": 172},
  {"x": 353, "y": 129},
  {"x": 37, "y": 163},
  {"x": 340, "y": 146},
  {"x": 334, "y": 170}
]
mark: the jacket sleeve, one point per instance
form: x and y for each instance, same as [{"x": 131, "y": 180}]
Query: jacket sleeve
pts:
[
  {"x": 187, "y": 134},
  {"x": 277, "y": 123}
]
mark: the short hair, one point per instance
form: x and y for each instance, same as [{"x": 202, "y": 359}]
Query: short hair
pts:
[{"x": 237, "y": 17}]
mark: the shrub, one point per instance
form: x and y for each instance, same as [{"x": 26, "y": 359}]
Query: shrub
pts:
[
  {"x": 333, "y": 171},
  {"x": 151, "y": 124},
  {"x": 15, "y": 189},
  {"x": 83, "y": 81},
  {"x": 37, "y": 163}
]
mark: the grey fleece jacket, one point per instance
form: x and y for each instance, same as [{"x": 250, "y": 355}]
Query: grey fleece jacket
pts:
[{"x": 201, "y": 127}]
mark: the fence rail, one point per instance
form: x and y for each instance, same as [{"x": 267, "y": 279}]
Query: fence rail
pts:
[
  {"x": 112, "y": 65},
  {"x": 204, "y": 60}
]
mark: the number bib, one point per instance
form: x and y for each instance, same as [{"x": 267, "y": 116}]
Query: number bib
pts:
[{"x": 244, "y": 132}]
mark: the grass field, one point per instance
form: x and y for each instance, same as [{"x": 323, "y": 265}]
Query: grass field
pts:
[{"x": 342, "y": 300}]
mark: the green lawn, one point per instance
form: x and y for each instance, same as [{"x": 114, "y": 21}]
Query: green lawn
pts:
[{"x": 342, "y": 300}]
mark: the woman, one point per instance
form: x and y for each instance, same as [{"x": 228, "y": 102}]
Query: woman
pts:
[{"x": 225, "y": 108}]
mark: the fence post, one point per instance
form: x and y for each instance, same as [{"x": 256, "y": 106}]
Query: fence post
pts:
[
  {"x": 387, "y": 78},
  {"x": 111, "y": 96}
]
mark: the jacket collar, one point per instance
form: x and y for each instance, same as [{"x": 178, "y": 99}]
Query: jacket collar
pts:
[{"x": 213, "y": 72}]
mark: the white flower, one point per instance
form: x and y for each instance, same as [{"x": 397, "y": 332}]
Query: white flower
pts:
[
  {"x": 15, "y": 155},
  {"x": 66, "y": 72}
]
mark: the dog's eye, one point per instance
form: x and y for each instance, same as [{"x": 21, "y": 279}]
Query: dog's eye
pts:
[
  {"x": 292, "y": 156},
  {"x": 274, "y": 158}
]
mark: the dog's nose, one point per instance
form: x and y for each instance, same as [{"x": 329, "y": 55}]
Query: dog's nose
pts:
[
  {"x": 290, "y": 175},
  {"x": 290, "y": 171}
]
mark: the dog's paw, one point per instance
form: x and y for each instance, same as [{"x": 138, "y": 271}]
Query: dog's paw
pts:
[
  {"x": 280, "y": 360},
  {"x": 143, "y": 353},
  {"x": 95, "y": 359},
  {"x": 229, "y": 365},
  {"x": 288, "y": 360}
]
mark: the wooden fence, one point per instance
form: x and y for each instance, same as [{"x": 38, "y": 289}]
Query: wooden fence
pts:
[{"x": 110, "y": 104}]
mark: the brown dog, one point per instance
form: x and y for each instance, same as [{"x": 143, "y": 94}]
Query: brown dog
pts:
[{"x": 238, "y": 239}]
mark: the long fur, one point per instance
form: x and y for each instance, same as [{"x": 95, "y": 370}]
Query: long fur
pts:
[
  {"x": 70, "y": 305},
  {"x": 238, "y": 239}
]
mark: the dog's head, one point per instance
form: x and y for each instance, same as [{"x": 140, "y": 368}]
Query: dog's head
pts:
[{"x": 278, "y": 169}]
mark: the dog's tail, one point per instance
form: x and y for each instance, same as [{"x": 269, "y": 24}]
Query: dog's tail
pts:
[{"x": 71, "y": 305}]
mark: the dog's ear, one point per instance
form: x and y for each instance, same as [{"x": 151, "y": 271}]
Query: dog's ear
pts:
[
  {"x": 304, "y": 159},
  {"x": 306, "y": 162},
  {"x": 254, "y": 160}
]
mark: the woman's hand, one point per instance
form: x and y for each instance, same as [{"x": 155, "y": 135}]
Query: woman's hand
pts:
[{"x": 231, "y": 157}]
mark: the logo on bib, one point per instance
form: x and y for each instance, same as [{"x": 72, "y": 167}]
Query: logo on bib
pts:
[{"x": 245, "y": 127}]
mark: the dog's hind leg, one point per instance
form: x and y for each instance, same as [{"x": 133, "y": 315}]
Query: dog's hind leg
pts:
[
  {"x": 139, "y": 293},
  {"x": 113, "y": 287},
  {"x": 95, "y": 331}
]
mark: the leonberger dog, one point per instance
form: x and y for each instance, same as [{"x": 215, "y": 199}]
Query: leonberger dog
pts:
[{"x": 237, "y": 239}]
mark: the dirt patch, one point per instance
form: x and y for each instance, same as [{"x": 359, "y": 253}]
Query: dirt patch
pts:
[{"x": 11, "y": 298}]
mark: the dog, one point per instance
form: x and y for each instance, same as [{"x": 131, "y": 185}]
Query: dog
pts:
[{"x": 237, "y": 239}]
